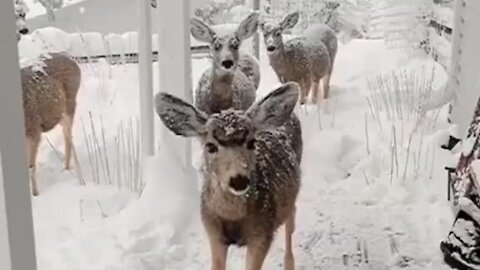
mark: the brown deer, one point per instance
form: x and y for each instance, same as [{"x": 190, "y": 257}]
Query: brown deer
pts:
[
  {"x": 251, "y": 171},
  {"x": 233, "y": 79},
  {"x": 307, "y": 59},
  {"x": 49, "y": 99}
]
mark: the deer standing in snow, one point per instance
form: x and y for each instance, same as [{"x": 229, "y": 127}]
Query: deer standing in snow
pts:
[
  {"x": 306, "y": 59},
  {"x": 49, "y": 99},
  {"x": 251, "y": 171},
  {"x": 233, "y": 79}
]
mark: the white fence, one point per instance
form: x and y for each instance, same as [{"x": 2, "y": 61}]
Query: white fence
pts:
[
  {"x": 116, "y": 48},
  {"x": 464, "y": 73}
]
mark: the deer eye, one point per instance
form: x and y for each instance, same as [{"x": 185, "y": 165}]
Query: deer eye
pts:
[
  {"x": 277, "y": 33},
  {"x": 234, "y": 45},
  {"x": 211, "y": 148},
  {"x": 251, "y": 144},
  {"x": 217, "y": 46}
]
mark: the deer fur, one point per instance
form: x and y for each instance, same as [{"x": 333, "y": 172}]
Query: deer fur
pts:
[
  {"x": 233, "y": 79},
  {"x": 251, "y": 171},
  {"x": 305, "y": 59},
  {"x": 49, "y": 99},
  {"x": 323, "y": 34}
]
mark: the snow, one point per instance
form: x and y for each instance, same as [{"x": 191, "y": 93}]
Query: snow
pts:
[
  {"x": 36, "y": 9},
  {"x": 348, "y": 201}
]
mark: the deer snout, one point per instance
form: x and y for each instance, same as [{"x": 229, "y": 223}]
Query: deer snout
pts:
[
  {"x": 23, "y": 31},
  {"x": 227, "y": 64},
  {"x": 271, "y": 48},
  {"x": 239, "y": 185}
]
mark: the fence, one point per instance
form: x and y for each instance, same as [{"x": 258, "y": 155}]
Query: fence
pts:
[
  {"x": 89, "y": 47},
  {"x": 464, "y": 80},
  {"x": 440, "y": 32},
  {"x": 347, "y": 19}
]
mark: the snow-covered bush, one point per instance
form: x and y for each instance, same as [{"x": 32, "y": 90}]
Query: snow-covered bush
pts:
[
  {"x": 50, "y": 6},
  {"x": 397, "y": 104},
  {"x": 403, "y": 24},
  {"x": 223, "y": 11},
  {"x": 111, "y": 161},
  {"x": 349, "y": 18}
]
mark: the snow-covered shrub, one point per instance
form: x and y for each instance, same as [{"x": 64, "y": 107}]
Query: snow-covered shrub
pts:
[
  {"x": 111, "y": 161},
  {"x": 222, "y": 11},
  {"x": 402, "y": 23},
  {"x": 349, "y": 18},
  {"x": 50, "y": 6},
  {"x": 397, "y": 104}
]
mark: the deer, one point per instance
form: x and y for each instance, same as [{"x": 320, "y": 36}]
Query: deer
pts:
[
  {"x": 20, "y": 21},
  {"x": 306, "y": 59},
  {"x": 49, "y": 99},
  {"x": 323, "y": 34},
  {"x": 233, "y": 79},
  {"x": 251, "y": 171}
]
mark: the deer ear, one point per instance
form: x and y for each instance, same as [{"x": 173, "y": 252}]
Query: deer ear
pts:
[
  {"x": 290, "y": 20},
  {"x": 180, "y": 117},
  {"x": 201, "y": 31},
  {"x": 275, "y": 108},
  {"x": 248, "y": 26}
]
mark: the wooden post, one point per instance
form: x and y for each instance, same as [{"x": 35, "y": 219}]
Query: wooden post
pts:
[
  {"x": 17, "y": 246},
  {"x": 464, "y": 59},
  {"x": 146, "y": 80},
  {"x": 256, "y": 37},
  {"x": 174, "y": 62}
]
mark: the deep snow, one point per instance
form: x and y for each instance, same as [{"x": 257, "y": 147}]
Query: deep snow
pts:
[{"x": 347, "y": 196}]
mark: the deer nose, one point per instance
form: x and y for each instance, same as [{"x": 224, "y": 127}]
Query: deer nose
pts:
[
  {"x": 227, "y": 64},
  {"x": 23, "y": 31},
  {"x": 271, "y": 48},
  {"x": 239, "y": 184}
]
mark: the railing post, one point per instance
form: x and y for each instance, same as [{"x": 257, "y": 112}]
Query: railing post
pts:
[
  {"x": 146, "y": 80},
  {"x": 17, "y": 245},
  {"x": 256, "y": 37},
  {"x": 174, "y": 62}
]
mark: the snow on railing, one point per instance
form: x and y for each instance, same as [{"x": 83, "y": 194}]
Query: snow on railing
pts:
[{"x": 91, "y": 46}]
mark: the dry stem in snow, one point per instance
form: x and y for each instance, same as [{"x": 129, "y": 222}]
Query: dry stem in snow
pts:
[
  {"x": 399, "y": 100},
  {"x": 118, "y": 164}
]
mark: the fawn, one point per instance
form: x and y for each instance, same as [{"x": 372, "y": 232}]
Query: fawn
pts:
[
  {"x": 49, "y": 99},
  {"x": 306, "y": 59},
  {"x": 251, "y": 171},
  {"x": 233, "y": 79}
]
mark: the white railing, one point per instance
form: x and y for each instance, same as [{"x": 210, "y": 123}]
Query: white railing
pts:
[
  {"x": 464, "y": 79},
  {"x": 17, "y": 248}
]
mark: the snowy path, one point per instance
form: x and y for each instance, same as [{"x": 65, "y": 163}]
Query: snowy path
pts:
[
  {"x": 346, "y": 200},
  {"x": 338, "y": 212}
]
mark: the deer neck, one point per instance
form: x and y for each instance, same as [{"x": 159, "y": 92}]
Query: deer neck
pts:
[
  {"x": 222, "y": 88},
  {"x": 280, "y": 61}
]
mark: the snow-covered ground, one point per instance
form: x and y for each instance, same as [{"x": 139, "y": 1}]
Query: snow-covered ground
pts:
[{"x": 348, "y": 201}]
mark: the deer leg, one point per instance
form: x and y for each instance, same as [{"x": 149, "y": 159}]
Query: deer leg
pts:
[
  {"x": 305, "y": 86},
  {"x": 303, "y": 97},
  {"x": 218, "y": 254},
  {"x": 289, "y": 260},
  {"x": 257, "y": 252},
  {"x": 326, "y": 85},
  {"x": 32, "y": 150},
  {"x": 66, "y": 124},
  {"x": 315, "y": 89}
]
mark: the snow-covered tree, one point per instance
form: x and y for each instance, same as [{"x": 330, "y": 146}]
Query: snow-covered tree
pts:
[
  {"x": 50, "y": 6},
  {"x": 222, "y": 11}
]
